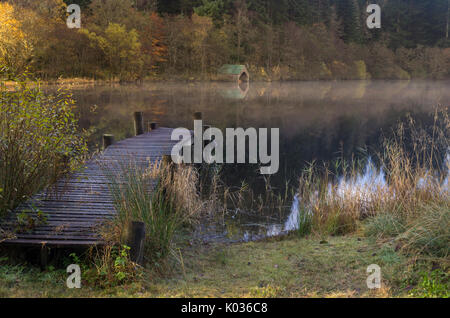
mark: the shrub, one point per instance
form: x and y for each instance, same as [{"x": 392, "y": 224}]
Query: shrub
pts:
[
  {"x": 432, "y": 285},
  {"x": 39, "y": 140},
  {"x": 113, "y": 267},
  {"x": 384, "y": 225},
  {"x": 360, "y": 70}
]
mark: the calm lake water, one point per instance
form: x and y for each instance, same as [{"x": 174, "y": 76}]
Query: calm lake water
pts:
[{"x": 318, "y": 121}]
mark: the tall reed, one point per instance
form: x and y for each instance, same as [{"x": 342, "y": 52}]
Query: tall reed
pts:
[
  {"x": 164, "y": 197},
  {"x": 407, "y": 188}
]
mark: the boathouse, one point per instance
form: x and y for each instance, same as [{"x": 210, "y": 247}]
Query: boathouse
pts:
[{"x": 233, "y": 73}]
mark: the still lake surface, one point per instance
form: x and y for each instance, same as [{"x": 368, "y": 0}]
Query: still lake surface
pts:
[{"x": 318, "y": 121}]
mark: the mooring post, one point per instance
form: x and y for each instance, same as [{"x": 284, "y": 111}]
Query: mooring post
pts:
[
  {"x": 108, "y": 140},
  {"x": 152, "y": 126},
  {"x": 138, "y": 123},
  {"x": 198, "y": 116},
  {"x": 167, "y": 161},
  {"x": 136, "y": 241},
  {"x": 44, "y": 257}
]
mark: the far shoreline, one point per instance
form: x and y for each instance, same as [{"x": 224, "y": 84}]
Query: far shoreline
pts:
[{"x": 94, "y": 82}]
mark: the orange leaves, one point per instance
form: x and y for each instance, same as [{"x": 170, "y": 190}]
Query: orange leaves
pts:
[{"x": 154, "y": 46}]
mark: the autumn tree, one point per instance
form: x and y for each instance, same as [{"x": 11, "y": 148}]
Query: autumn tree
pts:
[
  {"x": 154, "y": 48},
  {"x": 277, "y": 39},
  {"x": 241, "y": 23},
  {"x": 121, "y": 49},
  {"x": 52, "y": 10},
  {"x": 15, "y": 48},
  {"x": 105, "y": 12},
  {"x": 200, "y": 32},
  {"x": 176, "y": 41}
]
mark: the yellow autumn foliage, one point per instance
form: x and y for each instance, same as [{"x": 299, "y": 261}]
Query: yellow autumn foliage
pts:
[{"x": 15, "y": 49}]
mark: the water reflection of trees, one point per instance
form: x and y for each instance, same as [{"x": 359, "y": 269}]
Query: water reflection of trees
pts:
[
  {"x": 347, "y": 137},
  {"x": 317, "y": 121}
]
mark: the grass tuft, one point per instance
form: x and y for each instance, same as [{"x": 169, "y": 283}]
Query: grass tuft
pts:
[
  {"x": 384, "y": 225},
  {"x": 163, "y": 197}
]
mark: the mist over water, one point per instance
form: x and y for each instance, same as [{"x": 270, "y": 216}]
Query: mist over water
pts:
[{"x": 318, "y": 121}]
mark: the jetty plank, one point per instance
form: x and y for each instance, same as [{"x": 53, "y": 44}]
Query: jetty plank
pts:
[{"x": 77, "y": 205}]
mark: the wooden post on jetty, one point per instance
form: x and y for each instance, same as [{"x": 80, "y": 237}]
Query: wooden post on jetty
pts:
[
  {"x": 138, "y": 123},
  {"x": 167, "y": 162},
  {"x": 152, "y": 126},
  {"x": 198, "y": 116},
  {"x": 108, "y": 140},
  {"x": 136, "y": 242},
  {"x": 44, "y": 257}
]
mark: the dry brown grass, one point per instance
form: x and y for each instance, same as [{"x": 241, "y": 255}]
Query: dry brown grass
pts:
[{"x": 410, "y": 186}]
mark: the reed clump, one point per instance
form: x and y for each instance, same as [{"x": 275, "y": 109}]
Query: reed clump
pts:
[
  {"x": 406, "y": 197},
  {"x": 163, "y": 196}
]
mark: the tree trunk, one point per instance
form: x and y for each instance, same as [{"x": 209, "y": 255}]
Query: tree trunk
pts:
[{"x": 448, "y": 14}]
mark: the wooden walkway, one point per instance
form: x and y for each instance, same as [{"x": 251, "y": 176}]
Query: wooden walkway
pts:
[{"x": 80, "y": 203}]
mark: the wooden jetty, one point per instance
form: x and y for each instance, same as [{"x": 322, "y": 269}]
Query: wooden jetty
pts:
[{"x": 78, "y": 204}]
